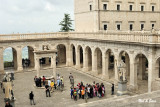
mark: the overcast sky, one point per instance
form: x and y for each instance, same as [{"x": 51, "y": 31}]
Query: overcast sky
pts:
[{"x": 26, "y": 16}]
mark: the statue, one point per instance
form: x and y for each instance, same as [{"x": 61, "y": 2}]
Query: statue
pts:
[
  {"x": 122, "y": 71},
  {"x": 45, "y": 47}
]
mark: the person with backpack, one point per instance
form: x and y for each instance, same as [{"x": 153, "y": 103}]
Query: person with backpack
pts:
[{"x": 75, "y": 94}]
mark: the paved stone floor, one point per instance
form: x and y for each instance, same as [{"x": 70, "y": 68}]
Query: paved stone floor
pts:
[{"x": 23, "y": 84}]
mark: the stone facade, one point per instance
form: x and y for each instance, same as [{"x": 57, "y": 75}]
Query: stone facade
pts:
[
  {"x": 135, "y": 15},
  {"x": 92, "y": 52}
]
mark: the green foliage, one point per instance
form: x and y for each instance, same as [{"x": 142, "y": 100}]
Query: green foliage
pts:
[
  {"x": 66, "y": 23},
  {"x": 8, "y": 64}
]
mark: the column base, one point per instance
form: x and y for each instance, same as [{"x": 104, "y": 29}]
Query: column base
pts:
[
  {"x": 105, "y": 77},
  {"x": 85, "y": 69},
  {"x": 2, "y": 72},
  {"x": 19, "y": 69},
  {"x": 132, "y": 88},
  {"x": 78, "y": 66},
  {"x": 95, "y": 73}
]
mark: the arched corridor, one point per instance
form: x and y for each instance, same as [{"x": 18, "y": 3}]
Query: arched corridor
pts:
[
  {"x": 28, "y": 57},
  {"x": 98, "y": 60},
  {"x": 61, "y": 55},
  {"x": 141, "y": 68},
  {"x": 125, "y": 57},
  {"x": 10, "y": 58}
]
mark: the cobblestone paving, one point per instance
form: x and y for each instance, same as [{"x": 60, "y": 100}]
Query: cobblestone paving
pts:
[{"x": 23, "y": 84}]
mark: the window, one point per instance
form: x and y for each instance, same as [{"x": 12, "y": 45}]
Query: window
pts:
[
  {"x": 105, "y": 27},
  {"x": 118, "y": 7},
  {"x": 118, "y": 27},
  {"x": 142, "y": 8},
  {"x": 131, "y": 27},
  {"x": 142, "y": 26},
  {"x": 130, "y": 7},
  {"x": 152, "y": 8},
  {"x": 90, "y": 6},
  {"x": 104, "y": 6},
  {"x": 152, "y": 26}
]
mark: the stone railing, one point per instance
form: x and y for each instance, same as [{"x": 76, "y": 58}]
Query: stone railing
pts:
[{"x": 145, "y": 37}]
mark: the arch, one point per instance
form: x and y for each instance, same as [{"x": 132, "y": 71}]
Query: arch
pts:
[
  {"x": 61, "y": 54},
  {"x": 10, "y": 58},
  {"x": 88, "y": 52},
  {"x": 80, "y": 49},
  {"x": 157, "y": 68},
  {"x": 28, "y": 57},
  {"x": 109, "y": 63},
  {"x": 73, "y": 55},
  {"x": 98, "y": 57},
  {"x": 141, "y": 67},
  {"x": 123, "y": 55}
]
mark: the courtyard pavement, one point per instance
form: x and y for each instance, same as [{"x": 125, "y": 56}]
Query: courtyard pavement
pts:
[{"x": 23, "y": 85}]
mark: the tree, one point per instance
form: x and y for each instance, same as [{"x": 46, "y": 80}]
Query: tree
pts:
[{"x": 66, "y": 24}]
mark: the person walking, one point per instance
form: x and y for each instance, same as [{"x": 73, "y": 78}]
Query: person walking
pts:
[
  {"x": 47, "y": 90},
  {"x": 52, "y": 86},
  {"x": 43, "y": 80},
  {"x": 112, "y": 89},
  {"x": 71, "y": 93},
  {"x": 31, "y": 97}
]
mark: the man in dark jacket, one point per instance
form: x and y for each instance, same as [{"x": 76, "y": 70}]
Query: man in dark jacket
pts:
[
  {"x": 31, "y": 97},
  {"x": 47, "y": 90},
  {"x": 112, "y": 89}
]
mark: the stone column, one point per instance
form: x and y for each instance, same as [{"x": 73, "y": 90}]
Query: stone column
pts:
[
  {"x": 151, "y": 69},
  {"x": 37, "y": 66},
  {"x": 133, "y": 72},
  {"x": 68, "y": 55},
  {"x": 85, "y": 60},
  {"x": 77, "y": 58},
  {"x": 94, "y": 62},
  {"x": 53, "y": 60},
  {"x": 116, "y": 63},
  {"x": 105, "y": 61},
  {"x": 15, "y": 58},
  {"x": 19, "y": 59},
  {"x": 1, "y": 61},
  {"x": 47, "y": 60},
  {"x": 31, "y": 56}
]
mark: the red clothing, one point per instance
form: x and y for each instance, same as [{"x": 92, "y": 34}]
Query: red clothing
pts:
[{"x": 44, "y": 78}]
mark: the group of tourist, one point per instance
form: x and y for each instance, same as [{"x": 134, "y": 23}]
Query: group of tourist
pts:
[
  {"x": 88, "y": 91},
  {"x": 25, "y": 62}
]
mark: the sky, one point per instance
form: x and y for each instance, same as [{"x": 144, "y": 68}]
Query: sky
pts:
[{"x": 30, "y": 16}]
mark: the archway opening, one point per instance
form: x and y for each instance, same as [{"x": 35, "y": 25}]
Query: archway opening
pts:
[
  {"x": 10, "y": 59},
  {"x": 141, "y": 65},
  {"x": 28, "y": 57},
  {"x": 89, "y": 58},
  {"x": 73, "y": 54},
  {"x": 125, "y": 58},
  {"x": 61, "y": 55},
  {"x": 81, "y": 56},
  {"x": 98, "y": 55},
  {"x": 110, "y": 64}
]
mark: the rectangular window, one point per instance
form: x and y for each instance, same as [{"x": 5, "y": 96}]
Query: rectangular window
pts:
[
  {"x": 152, "y": 26},
  {"x": 90, "y": 6},
  {"x": 104, "y": 6},
  {"x": 105, "y": 27},
  {"x": 118, "y": 27},
  {"x": 152, "y": 8},
  {"x": 118, "y": 7},
  {"x": 142, "y": 26},
  {"x": 130, "y": 7},
  {"x": 131, "y": 27},
  {"x": 142, "y": 8}
]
